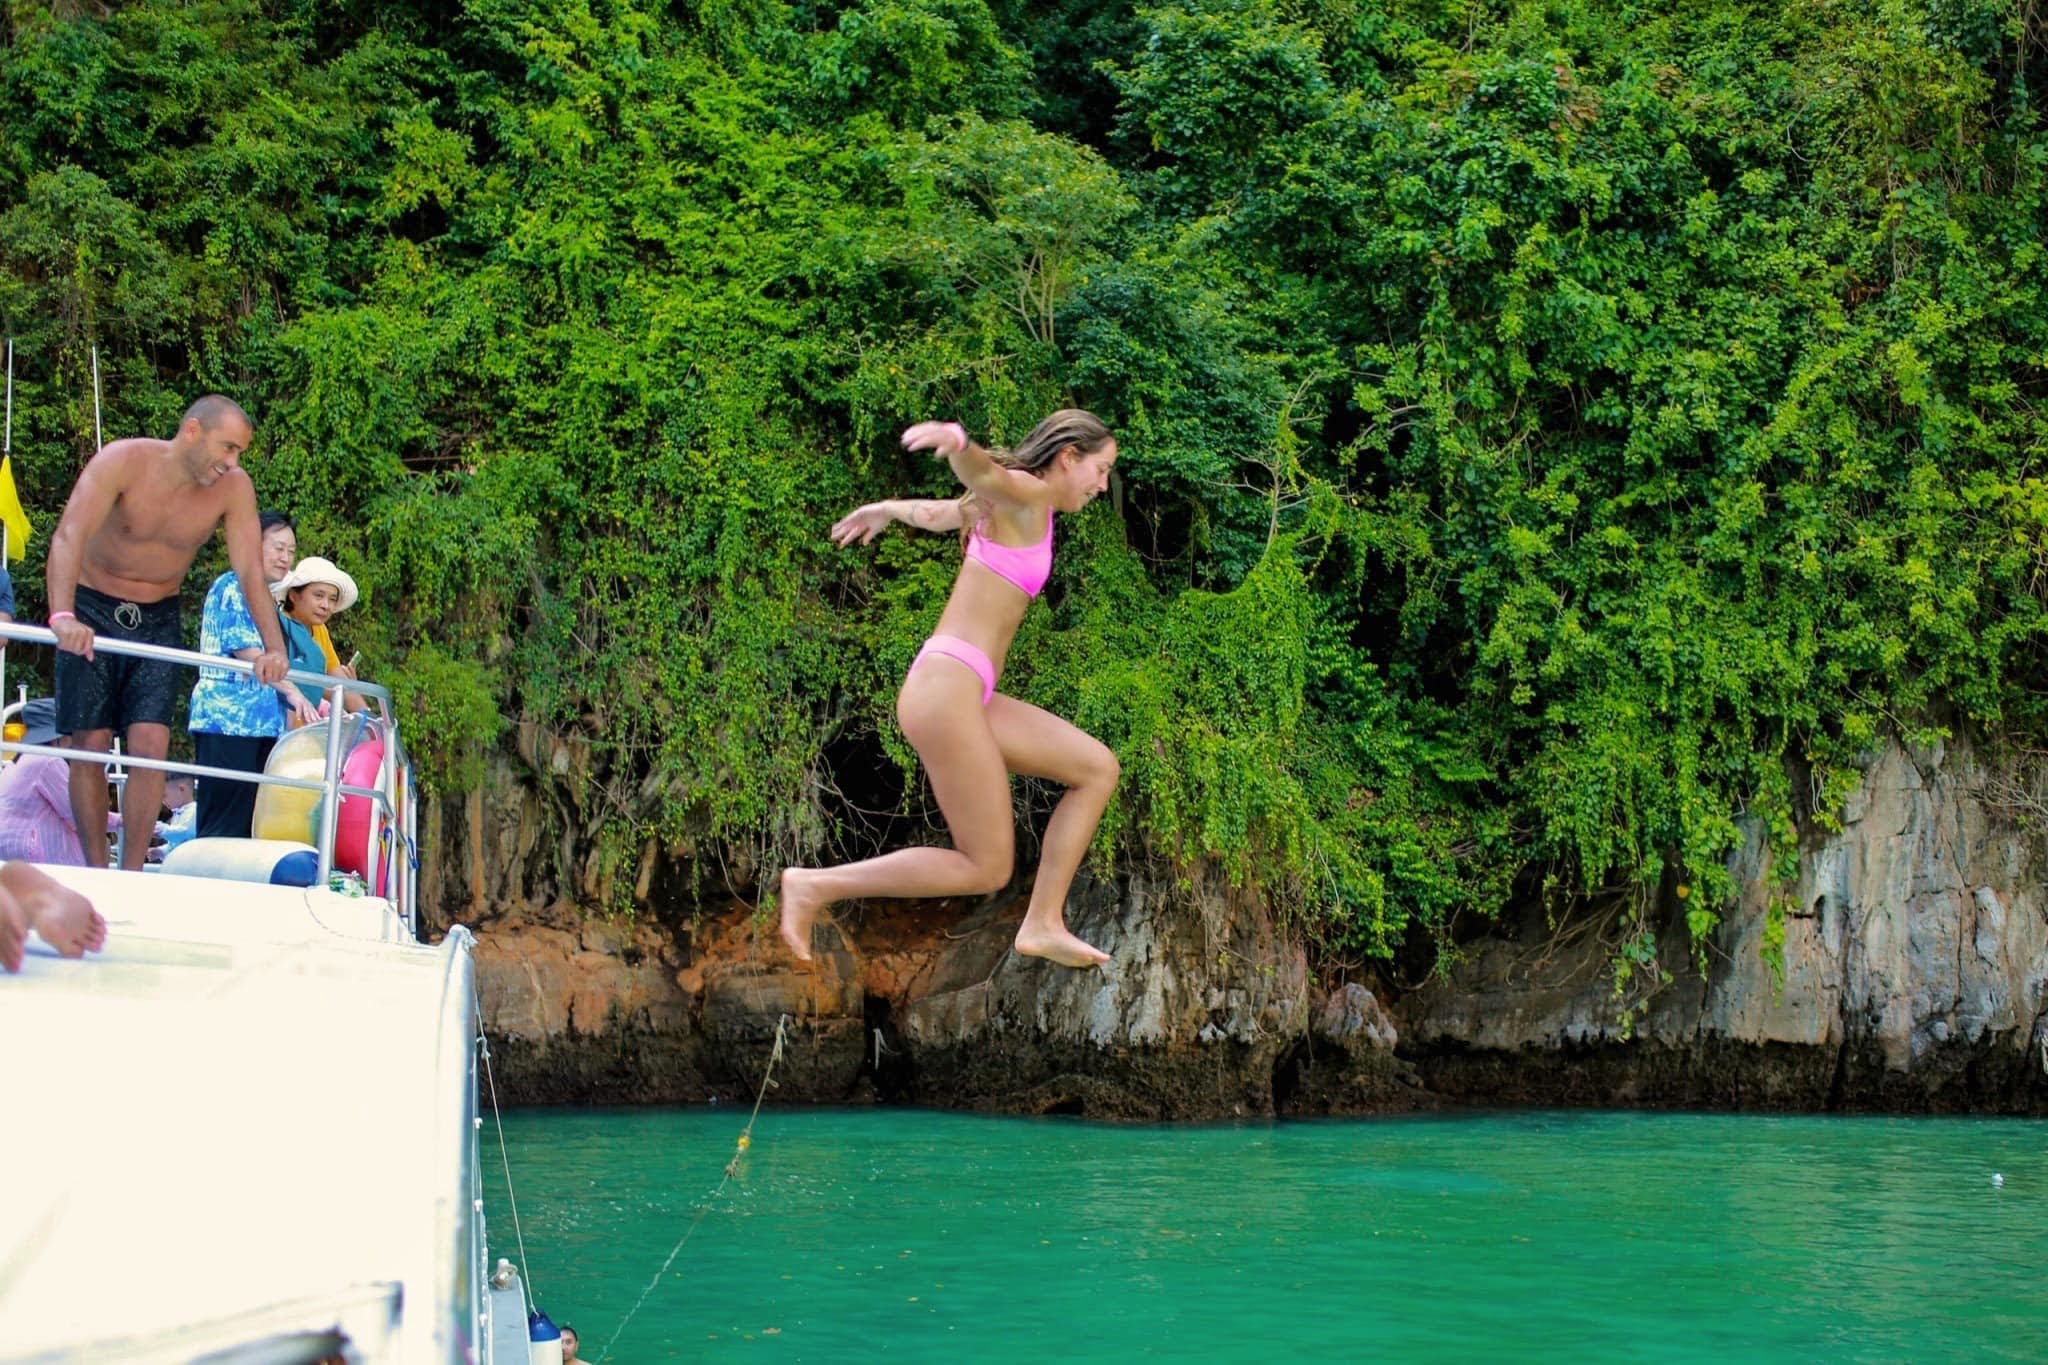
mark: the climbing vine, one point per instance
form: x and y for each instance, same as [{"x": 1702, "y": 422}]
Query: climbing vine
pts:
[{"x": 1558, "y": 437}]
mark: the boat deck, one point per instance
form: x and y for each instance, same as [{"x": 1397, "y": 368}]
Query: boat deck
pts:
[{"x": 241, "y": 1107}]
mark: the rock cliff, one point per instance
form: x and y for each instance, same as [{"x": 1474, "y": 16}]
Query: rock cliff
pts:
[
  {"x": 1914, "y": 960},
  {"x": 1912, "y": 977}
]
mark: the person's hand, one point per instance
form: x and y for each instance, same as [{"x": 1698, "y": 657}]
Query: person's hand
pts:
[
  {"x": 861, "y": 525},
  {"x": 940, "y": 438},
  {"x": 345, "y": 671},
  {"x": 271, "y": 666},
  {"x": 303, "y": 712},
  {"x": 73, "y": 636}
]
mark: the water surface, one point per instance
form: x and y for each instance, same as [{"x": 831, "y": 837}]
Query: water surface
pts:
[{"x": 1674, "y": 1237}]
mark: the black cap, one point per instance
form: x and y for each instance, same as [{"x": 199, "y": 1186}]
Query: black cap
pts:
[{"x": 39, "y": 720}]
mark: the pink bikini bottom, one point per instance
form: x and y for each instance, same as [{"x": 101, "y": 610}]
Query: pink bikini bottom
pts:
[{"x": 955, "y": 648}]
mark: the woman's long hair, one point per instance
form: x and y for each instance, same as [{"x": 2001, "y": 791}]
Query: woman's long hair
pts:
[{"x": 1082, "y": 430}]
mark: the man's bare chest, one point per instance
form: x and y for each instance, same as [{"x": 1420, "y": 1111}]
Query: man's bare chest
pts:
[{"x": 176, "y": 519}]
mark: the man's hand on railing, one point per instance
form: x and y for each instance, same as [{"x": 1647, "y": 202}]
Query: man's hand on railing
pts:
[
  {"x": 271, "y": 666},
  {"x": 74, "y": 636}
]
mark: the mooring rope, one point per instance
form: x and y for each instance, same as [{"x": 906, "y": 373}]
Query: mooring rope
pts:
[
  {"x": 506, "y": 1157},
  {"x": 732, "y": 1169}
]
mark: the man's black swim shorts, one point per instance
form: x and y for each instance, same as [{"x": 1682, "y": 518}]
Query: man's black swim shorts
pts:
[{"x": 113, "y": 692}]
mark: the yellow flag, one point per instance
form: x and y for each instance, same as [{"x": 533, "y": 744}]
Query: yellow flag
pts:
[{"x": 11, "y": 515}]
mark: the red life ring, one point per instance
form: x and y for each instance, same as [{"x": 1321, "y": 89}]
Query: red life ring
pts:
[{"x": 358, "y": 829}]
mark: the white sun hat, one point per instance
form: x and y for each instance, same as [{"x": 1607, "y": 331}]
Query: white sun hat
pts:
[{"x": 316, "y": 569}]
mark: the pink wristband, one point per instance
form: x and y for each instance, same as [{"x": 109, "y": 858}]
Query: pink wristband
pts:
[{"x": 57, "y": 616}]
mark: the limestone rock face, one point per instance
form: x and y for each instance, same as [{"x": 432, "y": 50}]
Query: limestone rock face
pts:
[
  {"x": 1351, "y": 1019},
  {"x": 924, "y": 1004},
  {"x": 1914, "y": 960},
  {"x": 593, "y": 1012},
  {"x": 749, "y": 990},
  {"x": 1913, "y": 975},
  {"x": 1347, "y": 1063},
  {"x": 1189, "y": 1017}
]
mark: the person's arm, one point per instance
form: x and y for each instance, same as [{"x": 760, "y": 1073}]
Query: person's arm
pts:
[
  {"x": 863, "y": 524},
  {"x": 92, "y": 499},
  {"x": 301, "y": 711},
  {"x": 51, "y": 784},
  {"x": 244, "y": 535},
  {"x": 351, "y": 701},
  {"x": 227, "y": 626},
  {"x": 232, "y": 624},
  {"x": 296, "y": 706},
  {"x": 975, "y": 467}
]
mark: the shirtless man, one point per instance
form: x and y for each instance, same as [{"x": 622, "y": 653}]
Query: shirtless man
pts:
[{"x": 136, "y": 519}]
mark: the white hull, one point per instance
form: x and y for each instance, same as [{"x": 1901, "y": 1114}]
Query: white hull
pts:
[{"x": 251, "y": 1116}]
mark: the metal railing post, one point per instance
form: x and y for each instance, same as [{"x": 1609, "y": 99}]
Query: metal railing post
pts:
[{"x": 330, "y": 803}]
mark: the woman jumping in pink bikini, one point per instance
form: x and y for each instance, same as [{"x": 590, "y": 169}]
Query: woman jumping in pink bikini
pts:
[{"x": 970, "y": 736}]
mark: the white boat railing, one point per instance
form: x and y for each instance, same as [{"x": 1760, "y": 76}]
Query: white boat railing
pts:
[{"x": 400, "y": 812}]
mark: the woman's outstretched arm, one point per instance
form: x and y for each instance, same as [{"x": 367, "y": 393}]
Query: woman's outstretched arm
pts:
[
  {"x": 863, "y": 524},
  {"x": 975, "y": 467}
]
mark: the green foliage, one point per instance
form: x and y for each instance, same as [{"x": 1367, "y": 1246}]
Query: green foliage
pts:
[
  {"x": 1554, "y": 435},
  {"x": 443, "y": 707},
  {"x": 912, "y": 59},
  {"x": 1637, "y": 974},
  {"x": 1772, "y": 946}
]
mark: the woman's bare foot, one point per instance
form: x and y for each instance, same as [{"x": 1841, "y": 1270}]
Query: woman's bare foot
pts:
[
  {"x": 14, "y": 926},
  {"x": 801, "y": 901},
  {"x": 1058, "y": 945}
]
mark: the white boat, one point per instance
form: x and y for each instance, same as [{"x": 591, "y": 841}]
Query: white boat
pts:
[{"x": 249, "y": 1128}]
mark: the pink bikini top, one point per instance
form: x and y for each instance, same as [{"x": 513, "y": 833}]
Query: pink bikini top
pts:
[{"x": 1028, "y": 567}]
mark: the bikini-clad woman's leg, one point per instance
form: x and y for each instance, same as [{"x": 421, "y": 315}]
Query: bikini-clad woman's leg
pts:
[
  {"x": 941, "y": 713},
  {"x": 1037, "y": 743}
]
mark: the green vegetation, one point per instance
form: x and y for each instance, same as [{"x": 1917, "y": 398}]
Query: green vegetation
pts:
[{"x": 1553, "y": 432}]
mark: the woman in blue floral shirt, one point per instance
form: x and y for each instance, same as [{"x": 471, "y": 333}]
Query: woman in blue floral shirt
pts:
[{"x": 235, "y": 720}]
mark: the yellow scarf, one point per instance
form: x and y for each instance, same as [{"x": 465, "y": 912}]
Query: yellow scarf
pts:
[{"x": 326, "y": 643}]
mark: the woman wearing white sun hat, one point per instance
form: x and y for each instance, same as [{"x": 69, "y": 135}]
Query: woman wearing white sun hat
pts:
[{"x": 312, "y": 593}]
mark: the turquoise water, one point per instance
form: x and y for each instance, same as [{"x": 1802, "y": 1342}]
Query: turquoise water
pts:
[{"x": 927, "y": 1236}]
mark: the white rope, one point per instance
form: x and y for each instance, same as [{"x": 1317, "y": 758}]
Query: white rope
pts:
[
  {"x": 506, "y": 1157},
  {"x": 731, "y": 1169}
]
